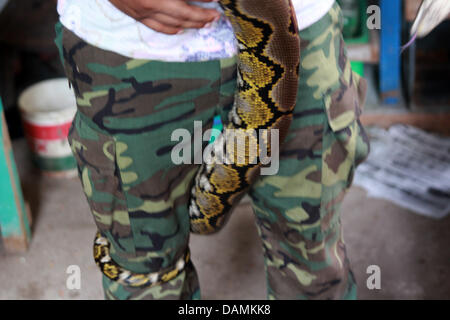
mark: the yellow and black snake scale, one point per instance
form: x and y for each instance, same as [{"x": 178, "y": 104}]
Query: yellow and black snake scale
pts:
[
  {"x": 268, "y": 62},
  {"x": 269, "y": 55}
]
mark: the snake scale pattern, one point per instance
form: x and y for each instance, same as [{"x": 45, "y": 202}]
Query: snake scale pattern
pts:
[
  {"x": 269, "y": 57},
  {"x": 268, "y": 62}
]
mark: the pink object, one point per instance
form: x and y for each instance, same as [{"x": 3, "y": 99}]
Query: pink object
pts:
[{"x": 410, "y": 42}]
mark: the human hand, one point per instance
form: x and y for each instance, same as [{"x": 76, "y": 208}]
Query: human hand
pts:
[{"x": 168, "y": 16}]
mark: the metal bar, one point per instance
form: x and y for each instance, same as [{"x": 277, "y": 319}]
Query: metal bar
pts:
[{"x": 390, "y": 43}]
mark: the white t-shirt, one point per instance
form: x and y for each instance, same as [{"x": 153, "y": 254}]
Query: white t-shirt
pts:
[
  {"x": 101, "y": 24},
  {"x": 310, "y": 11}
]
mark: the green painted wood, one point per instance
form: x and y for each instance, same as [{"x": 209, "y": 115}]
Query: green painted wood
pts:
[{"x": 14, "y": 222}]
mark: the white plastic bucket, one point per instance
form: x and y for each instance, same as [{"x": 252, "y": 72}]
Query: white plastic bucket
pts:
[{"x": 47, "y": 110}]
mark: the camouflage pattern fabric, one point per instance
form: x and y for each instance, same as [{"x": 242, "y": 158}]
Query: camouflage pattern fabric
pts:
[
  {"x": 298, "y": 210},
  {"x": 121, "y": 139}
]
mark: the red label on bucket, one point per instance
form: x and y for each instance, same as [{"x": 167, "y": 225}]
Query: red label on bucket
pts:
[{"x": 47, "y": 132}]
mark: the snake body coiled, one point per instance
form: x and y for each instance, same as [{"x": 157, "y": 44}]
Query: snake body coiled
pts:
[
  {"x": 268, "y": 63},
  {"x": 115, "y": 272}
]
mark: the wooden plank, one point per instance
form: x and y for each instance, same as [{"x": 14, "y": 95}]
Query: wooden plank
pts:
[
  {"x": 368, "y": 52},
  {"x": 437, "y": 123},
  {"x": 14, "y": 218}
]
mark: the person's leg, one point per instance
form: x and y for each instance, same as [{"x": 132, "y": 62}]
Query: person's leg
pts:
[
  {"x": 297, "y": 210},
  {"x": 121, "y": 139}
]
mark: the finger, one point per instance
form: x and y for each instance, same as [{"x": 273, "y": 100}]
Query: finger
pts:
[
  {"x": 176, "y": 23},
  {"x": 183, "y": 11},
  {"x": 159, "y": 27}
]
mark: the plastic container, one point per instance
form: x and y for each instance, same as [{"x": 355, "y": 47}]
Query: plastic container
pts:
[
  {"x": 355, "y": 30},
  {"x": 47, "y": 109},
  {"x": 351, "y": 13}
]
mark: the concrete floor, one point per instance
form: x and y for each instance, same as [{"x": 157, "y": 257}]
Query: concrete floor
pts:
[{"x": 412, "y": 251}]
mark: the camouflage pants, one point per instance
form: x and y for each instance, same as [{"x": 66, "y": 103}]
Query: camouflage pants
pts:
[{"x": 121, "y": 139}]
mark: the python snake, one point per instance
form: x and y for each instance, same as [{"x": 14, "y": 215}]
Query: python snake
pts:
[
  {"x": 125, "y": 277},
  {"x": 268, "y": 62}
]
